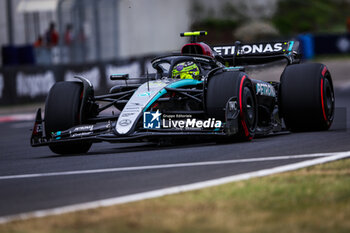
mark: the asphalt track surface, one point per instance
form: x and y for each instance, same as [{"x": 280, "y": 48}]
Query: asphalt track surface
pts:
[{"x": 25, "y": 194}]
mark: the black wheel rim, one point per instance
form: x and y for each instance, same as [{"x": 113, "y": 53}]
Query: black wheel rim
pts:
[
  {"x": 249, "y": 108},
  {"x": 328, "y": 99}
]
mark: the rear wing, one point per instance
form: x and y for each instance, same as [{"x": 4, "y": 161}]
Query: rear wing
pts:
[{"x": 258, "y": 53}]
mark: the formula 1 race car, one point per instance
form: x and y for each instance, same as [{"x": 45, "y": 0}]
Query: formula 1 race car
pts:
[{"x": 201, "y": 92}]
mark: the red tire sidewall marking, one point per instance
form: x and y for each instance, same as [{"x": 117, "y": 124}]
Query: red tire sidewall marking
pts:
[
  {"x": 245, "y": 128},
  {"x": 322, "y": 99}
]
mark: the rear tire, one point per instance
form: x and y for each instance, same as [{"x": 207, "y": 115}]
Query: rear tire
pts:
[
  {"x": 224, "y": 86},
  {"x": 62, "y": 111},
  {"x": 307, "y": 97}
]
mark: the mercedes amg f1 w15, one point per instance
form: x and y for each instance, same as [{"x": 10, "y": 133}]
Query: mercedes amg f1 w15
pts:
[{"x": 201, "y": 92}]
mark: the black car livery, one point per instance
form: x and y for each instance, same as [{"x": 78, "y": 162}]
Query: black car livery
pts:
[{"x": 222, "y": 103}]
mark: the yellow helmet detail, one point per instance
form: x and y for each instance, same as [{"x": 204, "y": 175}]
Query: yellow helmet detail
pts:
[{"x": 185, "y": 70}]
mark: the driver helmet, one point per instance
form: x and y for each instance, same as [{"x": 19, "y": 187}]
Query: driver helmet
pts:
[{"x": 186, "y": 70}]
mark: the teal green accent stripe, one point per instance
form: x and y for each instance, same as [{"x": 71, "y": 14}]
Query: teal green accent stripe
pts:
[
  {"x": 233, "y": 68},
  {"x": 160, "y": 93},
  {"x": 185, "y": 82},
  {"x": 181, "y": 83},
  {"x": 291, "y": 43}
]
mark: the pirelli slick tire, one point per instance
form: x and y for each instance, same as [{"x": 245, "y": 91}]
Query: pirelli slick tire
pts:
[
  {"x": 307, "y": 97},
  {"x": 62, "y": 110},
  {"x": 226, "y": 85}
]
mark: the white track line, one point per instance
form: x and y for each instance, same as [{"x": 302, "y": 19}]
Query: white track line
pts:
[
  {"x": 161, "y": 166},
  {"x": 176, "y": 189}
]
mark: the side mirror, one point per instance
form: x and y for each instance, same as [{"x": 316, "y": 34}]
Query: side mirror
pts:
[{"x": 119, "y": 77}]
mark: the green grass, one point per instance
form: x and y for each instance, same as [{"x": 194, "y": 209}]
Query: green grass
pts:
[
  {"x": 331, "y": 57},
  {"x": 315, "y": 199}
]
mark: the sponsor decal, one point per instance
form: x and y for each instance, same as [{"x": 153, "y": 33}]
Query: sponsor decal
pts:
[
  {"x": 81, "y": 134},
  {"x": 84, "y": 128},
  {"x": 131, "y": 109},
  {"x": 125, "y": 122},
  {"x": 136, "y": 104},
  {"x": 265, "y": 89},
  {"x": 249, "y": 49},
  {"x": 38, "y": 128},
  {"x": 147, "y": 93},
  {"x": 201, "y": 59},
  {"x": 127, "y": 114},
  {"x": 156, "y": 84},
  {"x": 34, "y": 84},
  {"x": 151, "y": 120}
]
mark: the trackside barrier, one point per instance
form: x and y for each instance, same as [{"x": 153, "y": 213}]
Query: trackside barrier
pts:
[
  {"x": 324, "y": 44},
  {"x": 26, "y": 84}
]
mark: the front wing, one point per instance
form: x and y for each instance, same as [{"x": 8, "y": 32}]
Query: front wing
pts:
[{"x": 106, "y": 131}]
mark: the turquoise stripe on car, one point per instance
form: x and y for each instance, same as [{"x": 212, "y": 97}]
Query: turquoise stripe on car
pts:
[
  {"x": 291, "y": 45},
  {"x": 181, "y": 83}
]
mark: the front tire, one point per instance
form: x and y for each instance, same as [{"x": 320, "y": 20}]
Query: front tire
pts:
[
  {"x": 62, "y": 111},
  {"x": 224, "y": 86}
]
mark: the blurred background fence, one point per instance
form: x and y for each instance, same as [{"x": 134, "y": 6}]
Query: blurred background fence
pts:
[{"x": 43, "y": 41}]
